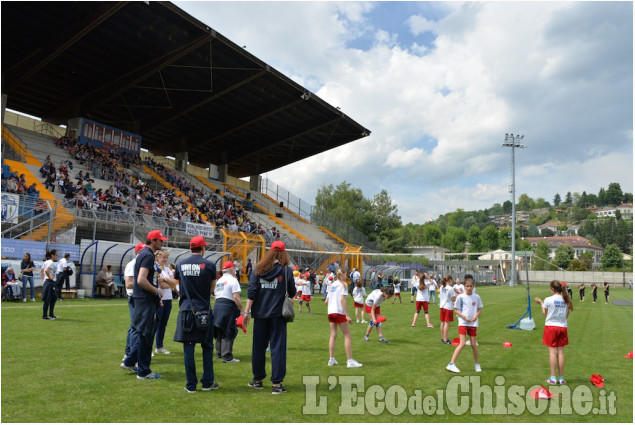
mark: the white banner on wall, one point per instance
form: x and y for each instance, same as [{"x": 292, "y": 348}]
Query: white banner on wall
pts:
[
  {"x": 204, "y": 230},
  {"x": 10, "y": 207}
]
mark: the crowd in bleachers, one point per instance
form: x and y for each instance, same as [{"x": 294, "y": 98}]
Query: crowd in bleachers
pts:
[{"x": 127, "y": 193}]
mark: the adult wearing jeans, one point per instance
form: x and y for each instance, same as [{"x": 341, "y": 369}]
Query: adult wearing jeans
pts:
[
  {"x": 128, "y": 275},
  {"x": 166, "y": 282},
  {"x": 196, "y": 277},
  {"x": 146, "y": 301},
  {"x": 27, "y": 266}
]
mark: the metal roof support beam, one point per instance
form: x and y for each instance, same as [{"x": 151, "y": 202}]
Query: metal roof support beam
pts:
[
  {"x": 165, "y": 117},
  {"x": 43, "y": 56},
  {"x": 107, "y": 92}
]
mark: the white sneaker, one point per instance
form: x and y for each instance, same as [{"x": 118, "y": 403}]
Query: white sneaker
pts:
[
  {"x": 357, "y": 320},
  {"x": 353, "y": 363},
  {"x": 23, "y": 300},
  {"x": 32, "y": 300},
  {"x": 364, "y": 321},
  {"x": 332, "y": 362},
  {"x": 452, "y": 368},
  {"x": 477, "y": 367},
  {"x": 161, "y": 350}
]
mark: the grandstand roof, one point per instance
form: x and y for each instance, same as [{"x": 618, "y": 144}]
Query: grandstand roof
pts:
[{"x": 152, "y": 69}]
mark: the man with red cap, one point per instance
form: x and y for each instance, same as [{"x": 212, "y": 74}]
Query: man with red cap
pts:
[
  {"x": 196, "y": 277},
  {"x": 227, "y": 307},
  {"x": 128, "y": 275},
  {"x": 146, "y": 301}
]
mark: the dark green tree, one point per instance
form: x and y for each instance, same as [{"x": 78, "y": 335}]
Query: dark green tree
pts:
[
  {"x": 489, "y": 238},
  {"x": 533, "y": 232},
  {"x": 541, "y": 257},
  {"x": 564, "y": 255},
  {"x": 612, "y": 258},
  {"x": 507, "y": 207},
  {"x": 614, "y": 194},
  {"x": 556, "y": 200},
  {"x": 454, "y": 239}
]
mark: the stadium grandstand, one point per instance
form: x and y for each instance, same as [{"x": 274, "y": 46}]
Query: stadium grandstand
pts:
[{"x": 150, "y": 119}]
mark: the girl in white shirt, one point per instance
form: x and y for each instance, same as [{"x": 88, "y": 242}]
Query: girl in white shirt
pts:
[
  {"x": 556, "y": 309},
  {"x": 468, "y": 307},
  {"x": 373, "y": 303},
  {"x": 447, "y": 296},
  {"x": 423, "y": 298},
  {"x": 338, "y": 316},
  {"x": 358, "y": 300}
]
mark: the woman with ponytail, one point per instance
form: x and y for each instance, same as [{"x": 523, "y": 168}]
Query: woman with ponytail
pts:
[
  {"x": 556, "y": 309},
  {"x": 49, "y": 289}
]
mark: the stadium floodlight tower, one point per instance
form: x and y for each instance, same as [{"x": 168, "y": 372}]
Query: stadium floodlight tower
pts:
[{"x": 512, "y": 141}]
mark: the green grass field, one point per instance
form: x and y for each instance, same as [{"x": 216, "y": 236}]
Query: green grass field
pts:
[{"x": 68, "y": 370}]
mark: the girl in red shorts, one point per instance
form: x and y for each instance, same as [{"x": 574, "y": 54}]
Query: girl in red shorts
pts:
[
  {"x": 556, "y": 309},
  {"x": 468, "y": 307},
  {"x": 338, "y": 315},
  {"x": 446, "y": 307},
  {"x": 358, "y": 300}
]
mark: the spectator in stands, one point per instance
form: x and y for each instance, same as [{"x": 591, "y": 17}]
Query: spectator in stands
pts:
[
  {"x": 32, "y": 190},
  {"x": 106, "y": 280},
  {"x": 27, "y": 266},
  {"x": 10, "y": 283},
  {"x": 4, "y": 184},
  {"x": 12, "y": 184},
  {"x": 50, "y": 181}
]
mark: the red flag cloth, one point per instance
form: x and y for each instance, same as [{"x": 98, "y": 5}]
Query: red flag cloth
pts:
[
  {"x": 507, "y": 344},
  {"x": 239, "y": 323}
]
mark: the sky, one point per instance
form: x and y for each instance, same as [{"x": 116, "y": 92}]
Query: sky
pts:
[{"x": 440, "y": 84}]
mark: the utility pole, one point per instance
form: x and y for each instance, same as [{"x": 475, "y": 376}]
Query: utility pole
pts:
[{"x": 512, "y": 141}]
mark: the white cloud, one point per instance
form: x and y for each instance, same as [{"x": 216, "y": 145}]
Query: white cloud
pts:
[{"x": 558, "y": 72}]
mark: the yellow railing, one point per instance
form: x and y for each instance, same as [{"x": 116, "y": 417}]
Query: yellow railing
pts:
[
  {"x": 19, "y": 147},
  {"x": 239, "y": 244}
]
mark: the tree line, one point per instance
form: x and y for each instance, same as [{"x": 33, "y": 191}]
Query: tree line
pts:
[{"x": 473, "y": 231}]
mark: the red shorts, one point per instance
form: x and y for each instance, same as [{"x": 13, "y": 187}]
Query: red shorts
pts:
[
  {"x": 467, "y": 330},
  {"x": 358, "y": 305},
  {"x": 447, "y": 315},
  {"x": 422, "y": 305},
  {"x": 368, "y": 308},
  {"x": 555, "y": 336},
  {"x": 306, "y": 298},
  {"x": 337, "y": 318}
]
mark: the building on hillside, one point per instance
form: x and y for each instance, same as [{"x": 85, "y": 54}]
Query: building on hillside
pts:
[
  {"x": 607, "y": 212},
  {"x": 573, "y": 230},
  {"x": 579, "y": 244},
  {"x": 431, "y": 252},
  {"x": 551, "y": 225},
  {"x": 502, "y": 220},
  {"x": 626, "y": 210}
]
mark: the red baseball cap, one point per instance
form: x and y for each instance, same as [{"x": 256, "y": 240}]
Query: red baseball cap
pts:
[
  {"x": 139, "y": 247},
  {"x": 228, "y": 265},
  {"x": 278, "y": 246},
  {"x": 197, "y": 241},
  {"x": 156, "y": 234}
]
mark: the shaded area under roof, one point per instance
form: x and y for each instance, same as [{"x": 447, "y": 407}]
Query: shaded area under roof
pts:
[{"x": 152, "y": 69}]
